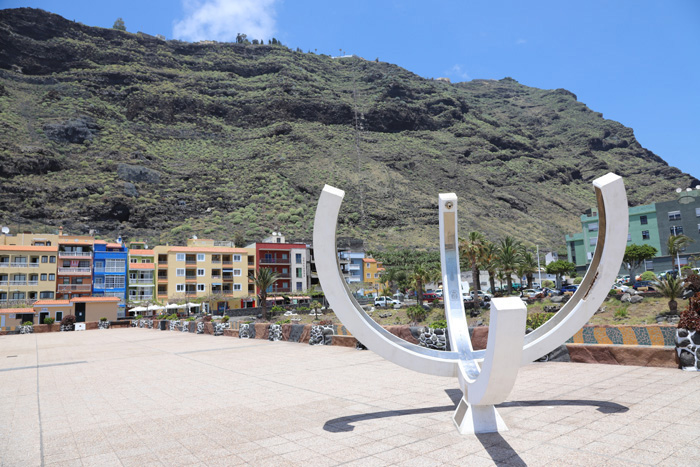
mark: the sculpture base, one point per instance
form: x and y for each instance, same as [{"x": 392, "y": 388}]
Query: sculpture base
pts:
[{"x": 473, "y": 419}]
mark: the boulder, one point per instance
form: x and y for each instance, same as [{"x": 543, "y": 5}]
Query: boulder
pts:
[
  {"x": 557, "y": 299},
  {"x": 636, "y": 299},
  {"x": 625, "y": 297},
  {"x": 76, "y": 130},
  {"x": 687, "y": 358}
]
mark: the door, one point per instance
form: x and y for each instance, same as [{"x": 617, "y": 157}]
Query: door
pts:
[
  {"x": 79, "y": 312},
  {"x": 42, "y": 315}
]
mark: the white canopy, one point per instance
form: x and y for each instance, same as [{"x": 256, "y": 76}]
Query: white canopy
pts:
[
  {"x": 155, "y": 307},
  {"x": 192, "y": 305},
  {"x": 173, "y": 306},
  {"x": 139, "y": 309}
]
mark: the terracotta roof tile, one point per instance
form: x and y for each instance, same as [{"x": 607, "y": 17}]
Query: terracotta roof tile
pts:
[
  {"x": 94, "y": 299},
  {"x": 141, "y": 266},
  {"x": 52, "y": 302}
]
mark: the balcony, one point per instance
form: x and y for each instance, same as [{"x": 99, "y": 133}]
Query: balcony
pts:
[
  {"x": 279, "y": 290},
  {"x": 16, "y": 264},
  {"x": 16, "y": 302},
  {"x": 74, "y": 288},
  {"x": 141, "y": 282},
  {"x": 75, "y": 271},
  {"x": 75, "y": 254},
  {"x": 284, "y": 275},
  {"x": 216, "y": 276},
  {"x": 162, "y": 264},
  {"x": 140, "y": 298},
  {"x": 110, "y": 269},
  {"x": 15, "y": 283},
  {"x": 274, "y": 261},
  {"x": 353, "y": 267}
]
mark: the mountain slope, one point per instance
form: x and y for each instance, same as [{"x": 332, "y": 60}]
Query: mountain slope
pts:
[{"x": 126, "y": 133}]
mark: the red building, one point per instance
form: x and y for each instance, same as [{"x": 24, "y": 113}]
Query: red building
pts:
[{"x": 289, "y": 260}]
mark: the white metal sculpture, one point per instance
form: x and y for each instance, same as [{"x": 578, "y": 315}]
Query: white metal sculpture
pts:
[{"x": 486, "y": 377}]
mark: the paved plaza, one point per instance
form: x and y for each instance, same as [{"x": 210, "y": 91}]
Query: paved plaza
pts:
[{"x": 144, "y": 397}]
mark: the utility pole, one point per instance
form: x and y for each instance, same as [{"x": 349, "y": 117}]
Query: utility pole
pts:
[{"x": 539, "y": 270}]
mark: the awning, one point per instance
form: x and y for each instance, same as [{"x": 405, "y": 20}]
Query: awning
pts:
[{"x": 139, "y": 309}]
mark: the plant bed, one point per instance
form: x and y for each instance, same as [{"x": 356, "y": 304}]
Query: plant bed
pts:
[{"x": 688, "y": 336}]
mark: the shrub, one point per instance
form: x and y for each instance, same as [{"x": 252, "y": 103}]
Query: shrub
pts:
[
  {"x": 547, "y": 284},
  {"x": 415, "y": 313},
  {"x": 28, "y": 323},
  {"x": 612, "y": 293},
  {"x": 439, "y": 324},
  {"x": 690, "y": 317},
  {"x": 49, "y": 320},
  {"x": 621, "y": 313},
  {"x": 277, "y": 309},
  {"x": 578, "y": 280},
  {"x": 225, "y": 319},
  {"x": 138, "y": 317},
  {"x": 303, "y": 309},
  {"x": 68, "y": 320},
  {"x": 648, "y": 276},
  {"x": 172, "y": 317},
  {"x": 286, "y": 321},
  {"x": 535, "y": 320},
  {"x": 103, "y": 319},
  {"x": 207, "y": 318},
  {"x": 191, "y": 318}
]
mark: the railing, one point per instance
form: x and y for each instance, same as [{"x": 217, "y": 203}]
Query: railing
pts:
[
  {"x": 111, "y": 269},
  {"x": 228, "y": 278},
  {"x": 74, "y": 270},
  {"x": 227, "y": 261},
  {"x": 75, "y": 254},
  {"x": 216, "y": 261},
  {"x": 216, "y": 276},
  {"x": 191, "y": 261},
  {"x": 11, "y": 283},
  {"x": 74, "y": 288},
  {"x": 140, "y": 298},
  {"x": 279, "y": 289},
  {"x": 353, "y": 267},
  {"x": 226, "y": 244},
  {"x": 284, "y": 275},
  {"x": 190, "y": 278},
  {"x": 274, "y": 261},
  {"x": 17, "y": 301},
  {"x": 17, "y": 264},
  {"x": 140, "y": 282},
  {"x": 162, "y": 264}
]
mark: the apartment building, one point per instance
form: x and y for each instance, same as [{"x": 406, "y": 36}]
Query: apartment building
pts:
[
  {"x": 142, "y": 278},
  {"x": 110, "y": 271},
  {"x": 217, "y": 275},
  {"x": 291, "y": 262},
  {"x": 27, "y": 273},
  {"x": 75, "y": 257},
  {"x": 371, "y": 272}
]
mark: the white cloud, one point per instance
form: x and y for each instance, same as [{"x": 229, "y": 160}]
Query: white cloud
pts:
[
  {"x": 222, "y": 20},
  {"x": 458, "y": 72}
]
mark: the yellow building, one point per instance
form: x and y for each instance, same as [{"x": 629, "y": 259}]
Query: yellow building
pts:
[
  {"x": 205, "y": 271},
  {"x": 27, "y": 273},
  {"x": 371, "y": 273}
]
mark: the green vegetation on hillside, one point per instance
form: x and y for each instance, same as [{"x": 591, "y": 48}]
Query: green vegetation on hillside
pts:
[{"x": 159, "y": 140}]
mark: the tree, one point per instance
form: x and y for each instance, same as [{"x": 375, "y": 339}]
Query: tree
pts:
[
  {"x": 119, "y": 25},
  {"x": 315, "y": 305},
  {"x": 489, "y": 262},
  {"x": 471, "y": 250},
  {"x": 241, "y": 38},
  {"x": 635, "y": 255},
  {"x": 508, "y": 256},
  {"x": 560, "y": 268},
  {"x": 263, "y": 280},
  {"x": 675, "y": 244},
  {"x": 671, "y": 288},
  {"x": 419, "y": 275},
  {"x": 527, "y": 267}
]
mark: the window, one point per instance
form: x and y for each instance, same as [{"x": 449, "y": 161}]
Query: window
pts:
[
  {"x": 180, "y": 257},
  {"x": 298, "y": 257},
  {"x": 676, "y": 230},
  {"x": 237, "y": 287},
  {"x": 643, "y": 220},
  {"x": 279, "y": 240},
  {"x": 593, "y": 241},
  {"x": 201, "y": 272},
  {"x": 298, "y": 271},
  {"x": 47, "y": 294},
  {"x": 697, "y": 212},
  {"x": 114, "y": 282},
  {"x": 17, "y": 295},
  {"x": 593, "y": 226},
  {"x": 179, "y": 287},
  {"x": 180, "y": 272},
  {"x": 300, "y": 286},
  {"x": 698, "y": 228},
  {"x": 674, "y": 216},
  {"x": 99, "y": 282},
  {"x": 629, "y": 237},
  {"x": 44, "y": 259},
  {"x": 649, "y": 264},
  {"x": 236, "y": 258},
  {"x": 284, "y": 255},
  {"x": 43, "y": 277},
  {"x": 376, "y": 275},
  {"x": 369, "y": 275},
  {"x": 201, "y": 288},
  {"x": 59, "y": 316},
  {"x": 114, "y": 265},
  {"x": 52, "y": 259},
  {"x": 146, "y": 260},
  {"x": 52, "y": 277},
  {"x": 200, "y": 256},
  {"x": 645, "y": 235},
  {"x": 236, "y": 272}
]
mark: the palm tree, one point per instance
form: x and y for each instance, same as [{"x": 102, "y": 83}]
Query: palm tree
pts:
[
  {"x": 527, "y": 267},
  {"x": 671, "y": 288},
  {"x": 508, "y": 256},
  {"x": 471, "y": 250},
  {"x": 676, "y": 244},
  {"x": 489, "y": 262},
  {"x": 419, "y": 275},
  {"x": 263, "y": 280}
]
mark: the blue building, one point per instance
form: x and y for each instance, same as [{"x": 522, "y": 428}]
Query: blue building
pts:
[{"x": 109, "y": 273}]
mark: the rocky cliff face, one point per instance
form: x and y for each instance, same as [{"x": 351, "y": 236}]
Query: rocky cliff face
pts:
[{"x": 126, "y": 133}]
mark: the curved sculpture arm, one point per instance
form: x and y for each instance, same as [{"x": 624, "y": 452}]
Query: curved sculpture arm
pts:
[
  {"x": 362, "y": 326},
  {"x": 612, "y": 241}
]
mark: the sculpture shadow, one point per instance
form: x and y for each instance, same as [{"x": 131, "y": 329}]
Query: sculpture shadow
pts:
[{"x": 496, "y": 446}]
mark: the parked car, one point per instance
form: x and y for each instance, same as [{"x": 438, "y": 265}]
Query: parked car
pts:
[
  {"x": 569, "y": 288},
  {"x": 438, "y": 292},
  {"x": 643, "y": 286},
  {"x": 385, "y": 301},
  {"x": 530, "y": 293},
  {"x": 622, "y": 288},
  {"x": 483, "y": 296},
  {"x": 430, "y": 296}
]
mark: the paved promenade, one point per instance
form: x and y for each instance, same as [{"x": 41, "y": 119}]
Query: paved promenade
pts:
[{"x": 143, "y": 397}]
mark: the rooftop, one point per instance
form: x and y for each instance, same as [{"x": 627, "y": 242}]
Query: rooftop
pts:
[{"x": 281, "y": 403}]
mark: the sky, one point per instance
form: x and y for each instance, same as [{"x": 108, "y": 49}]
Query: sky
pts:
[{"x": 635, "y": 61}]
